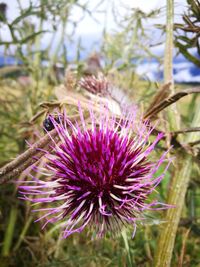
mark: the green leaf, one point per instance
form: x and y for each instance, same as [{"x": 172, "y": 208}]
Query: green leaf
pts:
[
  {"x": 27, "y": 13},
  {"x": 30, "y": 37},
  {"x": 183, "y": 50},
  {"x": 22, "y": 41}
]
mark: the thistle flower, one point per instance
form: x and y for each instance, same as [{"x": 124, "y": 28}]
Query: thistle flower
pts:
[
  {"x": 95, "y": 85},
  {"x": 98, "y": 175},
  {"x": 111, "y": 94},
  {"x": 101, "y": 90}
]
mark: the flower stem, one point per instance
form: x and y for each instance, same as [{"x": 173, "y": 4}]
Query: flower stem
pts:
[
  {"x": 183, "y": 165},
  {"x": 25, "y": 160},
  {"x": 176, "y": 196},
  {"x": 173, "y": 115},
  {"x": 9, "y": 232},
  {"x": 23, "y": 233},
  {"x": 126, "y": 244}
]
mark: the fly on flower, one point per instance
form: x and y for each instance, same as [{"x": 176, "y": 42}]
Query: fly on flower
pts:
[{"x": 96, "y": 175}]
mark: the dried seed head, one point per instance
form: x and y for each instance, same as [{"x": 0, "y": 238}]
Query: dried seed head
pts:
[{"x": 95, "y": 85}]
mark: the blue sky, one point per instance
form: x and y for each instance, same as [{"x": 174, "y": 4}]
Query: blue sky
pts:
[
  {"x": 89, "y": 30},
  {"x": 88, "y": 26}
]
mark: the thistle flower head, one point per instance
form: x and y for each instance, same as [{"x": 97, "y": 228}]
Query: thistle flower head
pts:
[{"x": 98, "y": 175}]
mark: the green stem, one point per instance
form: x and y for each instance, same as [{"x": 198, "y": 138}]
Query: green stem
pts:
[
  {"x": 183, "y": 165},
  {"x": 168, "y": 59},
  {"x": 173, "y": 115},
  {"x": 177, "y": 194},
  {"x": 54, "y": 57},
  {"x": 58, "y": 246},
  {"x": 36, "y": 64},
  {"x": 9, "y": 232},
  {"x": 126, "y": 244},
  {"x": 23, "y": 233}
]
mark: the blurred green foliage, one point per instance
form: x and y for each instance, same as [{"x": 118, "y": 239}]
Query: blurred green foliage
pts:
[{"x": 188, "y": 33}]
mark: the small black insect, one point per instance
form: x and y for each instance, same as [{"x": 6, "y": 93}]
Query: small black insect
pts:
[{"x": 48, "y": 124}]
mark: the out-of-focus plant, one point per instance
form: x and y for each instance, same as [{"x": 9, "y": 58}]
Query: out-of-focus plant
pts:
[
  {"x": 130, "y": 44},
  {"x": 3, "y": 8},
  {"x": 37, "y": 39},
  {"x": 184, "y": 161},
  {"x": 188, "y": 33},
  {"x": 33, "y": 24}
]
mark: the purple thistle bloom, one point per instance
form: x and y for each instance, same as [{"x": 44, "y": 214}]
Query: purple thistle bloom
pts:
[{"x": 98, "y": 175}]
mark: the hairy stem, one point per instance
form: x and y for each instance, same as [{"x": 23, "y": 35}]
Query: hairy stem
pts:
[
  {"x": 167, "y": 234},
  {"x": 23, "y": 161},
  {"x": 173, "y": 114},
  {"x": 176, "y": 196},
  {"x": 183, "y": 165}
]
